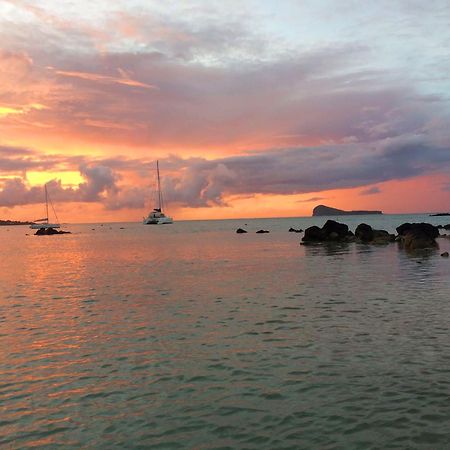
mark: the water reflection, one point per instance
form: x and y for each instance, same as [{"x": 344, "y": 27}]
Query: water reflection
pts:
[{"x": 186, "y": 336}]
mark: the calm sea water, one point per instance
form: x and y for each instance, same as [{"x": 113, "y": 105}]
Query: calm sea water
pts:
[{"x": 191, "y": 336}]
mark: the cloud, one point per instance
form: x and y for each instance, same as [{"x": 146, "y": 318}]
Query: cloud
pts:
[
  {"x": 303, "y": 170},
  {"x": 312, "y": 199},
  {"x": 371, "y": 191},
  {"x": 199, "y": 182},
  {"x": 95, "y": 77}
]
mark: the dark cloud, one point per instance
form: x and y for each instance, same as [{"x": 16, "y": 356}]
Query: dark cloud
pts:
[
  {"x": 312, "y": 199},
  {"x": 371, "y": 191},
  {"x": 303, "y": 170}
]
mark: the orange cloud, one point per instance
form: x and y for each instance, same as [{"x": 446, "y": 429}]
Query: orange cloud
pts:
[{"x": 103, "y": 78}]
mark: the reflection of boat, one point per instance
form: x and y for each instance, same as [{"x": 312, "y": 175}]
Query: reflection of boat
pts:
[
  {"x": 157, "y": 217},
  {"x": 44, "y": 223}
]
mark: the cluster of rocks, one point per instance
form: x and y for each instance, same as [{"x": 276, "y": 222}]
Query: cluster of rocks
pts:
[
  {"x": 49, "y": 232},
  {"x": 412, "y": 236},
  {"x": 241, "y": 230}
]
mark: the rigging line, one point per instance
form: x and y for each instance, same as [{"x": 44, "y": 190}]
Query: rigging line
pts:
[{"x": 53, "y": 208}]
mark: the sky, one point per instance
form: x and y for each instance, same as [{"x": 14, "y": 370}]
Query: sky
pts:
[{"x": 254, "y": 108}]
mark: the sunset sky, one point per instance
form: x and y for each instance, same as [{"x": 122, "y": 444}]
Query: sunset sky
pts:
[{"x": 254, "y": 108}]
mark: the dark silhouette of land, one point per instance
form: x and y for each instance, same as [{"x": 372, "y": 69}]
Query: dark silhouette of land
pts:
[
  {"x": 322, "y": 210},
  {"x": 13, "y": 222}
]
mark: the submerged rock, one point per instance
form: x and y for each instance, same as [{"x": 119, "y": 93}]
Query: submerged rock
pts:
[
  {"x": 240, "y": 231},
  {"x": 295, "y": 230},
  {"x": 445, "y": 255},
  {"x": 262, "y": 231}
]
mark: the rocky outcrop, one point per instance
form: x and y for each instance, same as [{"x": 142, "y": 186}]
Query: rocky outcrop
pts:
[
  {"x": 322, "y": 210},
  {"x": 49, "y": 232},
  {"x": 366, "y": 234},
  {"x": 332, "y": 231},
  {"x": 240, "y": 231},
  {"x": 295, "y": 230},
  {"x": 416, "y": 236},
  {"x": 262, "y": 231}
]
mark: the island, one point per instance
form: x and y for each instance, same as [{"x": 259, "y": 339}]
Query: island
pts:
[
  {"x": 322, "y": 210},
  {"x": 6, "y": 223},
  {"x": 440, "y": 215}
]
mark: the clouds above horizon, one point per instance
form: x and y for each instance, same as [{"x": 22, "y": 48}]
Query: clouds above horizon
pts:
[
  {"x": 235, "y": 98},
  {"x": 199, "y": 182}
]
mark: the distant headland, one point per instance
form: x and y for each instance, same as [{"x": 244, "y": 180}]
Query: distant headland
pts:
[
  {"x": 5, "y": 223},
  {"x": 322, "y": 210}
]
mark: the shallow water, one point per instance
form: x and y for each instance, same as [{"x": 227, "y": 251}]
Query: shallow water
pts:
[{"x": 191, "y": 336}]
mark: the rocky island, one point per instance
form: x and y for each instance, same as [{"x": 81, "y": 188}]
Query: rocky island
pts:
[{"x": 322, "y": 210}]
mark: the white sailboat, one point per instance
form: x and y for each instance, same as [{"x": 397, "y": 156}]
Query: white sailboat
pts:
[
  {"x": 157, "y": 217},
  {"x": 44, "y": 223}
]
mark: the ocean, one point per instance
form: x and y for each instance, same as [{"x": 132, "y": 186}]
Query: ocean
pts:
[{"x": 190, "y": 336}]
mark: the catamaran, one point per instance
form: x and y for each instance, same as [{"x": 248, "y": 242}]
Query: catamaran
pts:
[
  {"x": 44, "y": 223},
  {"x": 157, "y": 217}
]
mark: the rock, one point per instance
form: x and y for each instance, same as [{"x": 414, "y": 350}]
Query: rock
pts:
[
  {"x": 262, "y": 231},
  {"x": 294, "y": 230},
  {"x": 332, "y": 231},
  {"x": 445, "y": 254},
  {"x": 240, "y": 231},
  {"x": 422, "y": 228},
  {"x": 49, "y": 232},
  {"x": 416, "y": 236},
  {"x": 313, "y": 234},
  {"x": 446, "y": 227},
  {"x": 331, "y": 226},
  {"x": 382, "y": 237},
  {"x": 364, "y": 233}
]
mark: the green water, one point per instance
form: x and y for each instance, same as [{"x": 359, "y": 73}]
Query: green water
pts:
[{"x": 191, "y": 336}]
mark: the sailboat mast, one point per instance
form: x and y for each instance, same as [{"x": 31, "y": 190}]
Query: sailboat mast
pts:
[
  {"x": 159, "y": 187},
  {"x": 46, "y": 202}
]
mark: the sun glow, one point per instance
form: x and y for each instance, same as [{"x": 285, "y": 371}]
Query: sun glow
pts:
[{"x": 68, "y": 179}]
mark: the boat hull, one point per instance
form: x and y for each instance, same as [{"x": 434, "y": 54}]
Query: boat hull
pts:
[
  {"x": 38, "y": 226},
  {"x": 158, "y": 221}
]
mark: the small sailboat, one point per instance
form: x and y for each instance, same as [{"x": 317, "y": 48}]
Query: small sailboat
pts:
[
  {"x": 44, "y": 224},
  {"x": 157, "y": 217}
]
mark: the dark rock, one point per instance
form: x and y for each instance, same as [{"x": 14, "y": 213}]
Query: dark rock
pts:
[
  {"x": 445, "y": 254},
  {"x": 364, "y": 233},
  {"x": 331, "y": 226},
  {"x": 418, "y": 228},
  {"x": 332, "y": 231},
  {"x": 416, "y": 236},
  {"x": 446, "y": 227},
  {"x": 382, "y": 237},
  {"x": 439, "y": 214},
  {"x": 294, "y": 230},
  {"x": 49, "y": 232},
  {"x": 262, "y": 231},
  {"x": 313, "y": 234},
  {"x": 240, "y": 231}
]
